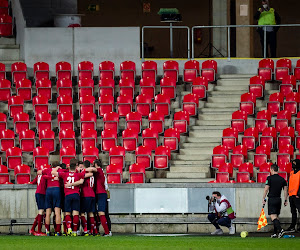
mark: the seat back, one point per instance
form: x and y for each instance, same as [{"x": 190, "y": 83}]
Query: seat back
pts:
[
  {"x": 128, "y": 70},
  {"x": 106, "y": 70}
]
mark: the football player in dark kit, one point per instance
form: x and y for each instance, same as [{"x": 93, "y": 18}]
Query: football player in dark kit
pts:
[{"x": 274, "y": 185}]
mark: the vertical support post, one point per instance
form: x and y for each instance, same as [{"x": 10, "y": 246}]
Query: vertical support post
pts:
[
  {"x": 265, "y": 42},
  {"x": 143, "y": 44},
  {"x": 193, "y": 43},
  {"x": 171, "y": 40},
  {"x": 228, "y": 44},
  {"x": 189, "y": 48}
]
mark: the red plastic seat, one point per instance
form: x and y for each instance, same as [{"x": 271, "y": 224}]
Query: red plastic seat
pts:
[
  {"x": 190, "y": 104},
  {"x": 7, "y": 139},
  {"x": 297, "y": 122},
  {"x": 90, "y": 154},
  {"x": 250, "y": 138},
  {"x": 111, "y": 121},
  {"x": 157, "y": 121},
  {"x": 137, "y": 173},
  {"x": 63, "y": 71},
  {"x": 41, "y": 71},
  {"x": 288, "y": 85},
  {"x": 200, "y": 87},
  {"x": 27, "y": 140},
  {"x": 127, "y": 87},
  {"x": 150, "y": 138},
  {"x": 129, "y": 139},
  {"x": 239, "y": 120},
  {"x": 257, "y": 86},
  {"x": 268, "y": 137},
  {"x": 275, "y": 103},
  {"x": 266, "y": 69},
  {"x": 105, "y": 104},
  {"x": 108, "y": 139},
  {"x": 134, "y": 121},
  {"x": 114, "y": 174},
  {"x": 106, "y": 70},
  {"x": 43, "y": 121},
  {"x": 209, "y": 70},
  {"x": 297, "y": 72},
  {"x": 22, "y": 174},
  {"x": 40, "y": 104},
  {"x": 287, "y": 167},
  {"x": 64, "y": 104},
  {"x": 88, "y": 138},
  {"x": 172, "y": 139},
  {"x": 263, "y": 120},
  {"x": 171, "y": 69},
  {"x": 230, "y": 138},
  {"x": 117, "y": 156},
  {"x": 66, "y": 154},
  {"x": 285, "y": 154},
  {"x": 238, "y": 156},
  {"x": 220, "y": 156},
  {"x": 181, "y": 121},
  {"x": 162, "y": 157},
  {"x": 147, "y": 86},
  {"x": 143, "y": 156},
  {"x": 65, "y": 121},
  {"x": 221, "y": 177},
  {"x": 168, "y": 87},
  {"x": 265, "y": 167},
  {"x": 243, "y": 177},
  {"x": 261, "y": 177},
  {"x": 106, "y": 87},
  {"x": 67, "y": 138},
  {"x": 247, "y": 167},
  {"x": 6, "y": 28},
  {"x": 226, "y": 168},
  {"x": 143, "y": 104},
  {"x": 291, "y": 102},
  {"x": 2, "y": 71},
  {"x": 44, "y": 88},
  {"x": 64, "y": 87},
  {"x": 40, "y": 157},
  {"x": 85, "y": 87},
  {"x": 128, "y": 70},
  {"x": 87, "y": 104},
  {"x": 15, "y": 105},
  {"x": 5, "y": 90},
  {"x": 283, "y": 68},
  {"x": 162, "y": 103},
  {"x": 4, "y": 175},
  {"x": 85, "y": 70},
  {"x": 21, "y": 122},
  {"x": 191, "y": 70},
  {"x": 248, "y": 103},
  {"x": 286, "y": 136},
  {"x": 24, "y": 89},
  {"x": 4, "y": 7},
  {"x": 13, "y": 157},
  {"x": 47, "y": 139},
  {"x": 124, "y": 105},
  {"x": 262, "y": 155},
  {"x": 149, "y": 69},
  {"x": 18, "y": 70},
  {"x": 283, "y": 120},
  {"x": 3, "y": 122}
]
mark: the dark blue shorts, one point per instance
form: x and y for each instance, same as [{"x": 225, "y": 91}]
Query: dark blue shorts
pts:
[
  {"x": 62, "y": 198},
  {"x": 53, "y": 197},
  {"x": 72, "y": 202},
  {"x": 87, "y": 205},
  {"x": 101, "y": 202},
  {"x": 40, "y": 201}
]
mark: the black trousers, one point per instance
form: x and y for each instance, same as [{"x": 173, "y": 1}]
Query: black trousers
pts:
[
  {"x": 271, "y": 42},
  {"x": 294, "y": 204}
]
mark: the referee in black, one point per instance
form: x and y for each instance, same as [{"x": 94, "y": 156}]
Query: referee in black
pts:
[{"x": 274, "y": 185}]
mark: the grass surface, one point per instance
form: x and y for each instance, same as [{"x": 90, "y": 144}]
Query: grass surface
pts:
[{"x": 143, "y": 242}]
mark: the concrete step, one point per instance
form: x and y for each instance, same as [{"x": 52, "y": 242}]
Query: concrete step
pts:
[
  {"x": 215, "y": 117},
  {"x": 181, "y": 180},
  {"x": 222, "y": 104},
  {"x": 224, "y": 99},
  {"x": 218, "y": 110},
  {"x": 190, "y": 163},
  {"x": 199, "y": 145},
  {"x": 213, "y": 122},
  {"x": 196, "y": 151},
  {"x": 183, "y": 169},
  {"x": 187, "y": 175},
  {"x": 9, "y": 52},
  {"x": 215, "y": 127},
  {"x": 229, "y": 93},
  {"x": 206, "y": 133},
  {"x": 6, "y": 40},
  {"x": 235, "y": 76},
  {"x": 232, "y": 88},
  {"x": 235, "y": 82},
  {"x": 204, "y": 139},
  {"x": 202, "y": 157}
]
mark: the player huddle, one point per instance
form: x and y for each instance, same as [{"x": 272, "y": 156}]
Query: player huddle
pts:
[{"x": 75, "y": 192}]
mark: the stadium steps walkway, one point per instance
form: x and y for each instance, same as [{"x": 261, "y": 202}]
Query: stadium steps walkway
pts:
[{"x": 9, "y": 52}]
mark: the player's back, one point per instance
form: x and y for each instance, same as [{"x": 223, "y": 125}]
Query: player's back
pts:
[
  {"x": 71, "y": 177},
  {"x": 88, "y": 187}
]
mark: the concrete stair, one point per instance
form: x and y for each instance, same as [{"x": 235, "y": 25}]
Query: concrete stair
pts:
[{"x": 9, "y": 52}]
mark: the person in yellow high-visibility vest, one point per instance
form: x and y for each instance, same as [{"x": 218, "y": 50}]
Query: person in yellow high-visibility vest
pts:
[{"x": 268, "y": 16}]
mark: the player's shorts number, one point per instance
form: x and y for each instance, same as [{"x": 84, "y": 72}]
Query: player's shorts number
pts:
[{"x": 71, "y": 180}]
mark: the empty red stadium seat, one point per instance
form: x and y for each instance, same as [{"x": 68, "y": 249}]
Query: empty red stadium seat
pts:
[
  {"x": 67, "y": 138},
  {"x": 266, "y": 69},
  {"x": 117, "y": 156},
  {"x": 261, "y": 177},
  {"x": 257, "y": 86},
  {"x": 106, "y": 87},
  {"x": 220, "y": 156},
  {"x": 40, "y": 104},
  {"x": 7, "y": 139},
  {"x": 268, "y": 137},
  {"x": 150, "y": 138},
  {"x": 243, "y": 177},
  {"x": 5, "y": 90},
  {"x": 283, "y": 68},
  {"x": 297, "y": 72},
  {"x": 200, "y": 87},
  {"x": 157, "y": 121},
  {"x": 41, "y": 71},
  {"x": 65, "y": 104},
  {"x": 90, "y": 154},
  {"x": 18, "y": 71},
  {"x": 291, "y": 102},
  {"x": 88, "y": 138},
  {"x": 143, "y": 104},
  {"x": 64, "y": 87},
  {"x": 191, "y": 70},
  {"x": 283, "y": 120},
  {"x": 250, "y": 138},
  {"x": 4, "y": 7},
  {"x": 105, "y": 104},
  {"x": 13, "y": 157},
  {"x": 63, "y": 71},
  {"x": 21, "y": 122},
  {"x": 275, "y": 103},
  {"x": 65, "y": 121},
  {"x": 40, "y": 157},
  {"x": 226, "y": 168},
  {"x": 108, "y": 139},
  {"x": 288, "y": 85},
  {"x": 134, "y": 121},
  {"x": 162, "y": 157},
  {"x": 190, "y": 104},
  {"x": 114, "y": 174},
  {"x": 3, "y": 122},
  {"x": 128, "y": 70},
  {"x": 27, "y": 140},
  {"x": 162, "y": 103},
  {"x": 22, "y": 174},
  {"x": 2, "y": 71},
  {"x": 85, "y": 87},
  {"x": 247, "y": 167},
  {"x": 127, "y": 87},
  {"x": 137, "y": 173},
  {"x": 181, "y": 121},
  {"x": 143, "y": 156},
  {"x": 147, "y": 86},
  {"x": 284, "y": 175},
  {"x": 262, "y": 155},
  {"x": 229, "y": 138},
  {"x": 47, "y": 139},
  {"x": 172, "y": 139},
  {"x": 129, "y": 139},
  {"x": 43, "y": 121},
  {"x": 124, "y": 105},
  {"x": 287, "y": 167},
  {"x": 248, "y": 103},
  {"x": 85, "y": 70},
  {"x": 106, "y": 70},
  {"x": 286, "y": 136},
  {"x": 15, "y": 105},
  {"x": 6, "y": 28},
  {"x": 87, "y": 104},
  {"x": 285, "y": 154},
  {"x": 24, "y": 89},
  {"x": 168, "y": 87},
  {"x": 221, "y": 177},
  {"x": 209, "y": 70},
  {"x": 111, "y": 121},
  {"x": 265, "y": 167},
  {"x": 263, "y": 120},
  {"x": 238, "y": 156},
  {"x": 4, "y": 175},
  {"x": 149, "y": 69},
  {"x": 239, "y": 120},
  {"x": 66, "y": 154},
  {"x": 171, "y": 69}
]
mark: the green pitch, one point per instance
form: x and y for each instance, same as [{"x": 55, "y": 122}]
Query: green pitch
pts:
[{"x": 143, "y": 242}]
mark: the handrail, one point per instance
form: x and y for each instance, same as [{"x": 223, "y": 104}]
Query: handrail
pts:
[{"x": 238, "y": 26}]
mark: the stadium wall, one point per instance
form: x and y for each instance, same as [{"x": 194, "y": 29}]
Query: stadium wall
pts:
[{"x": 150, "y": 208}]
